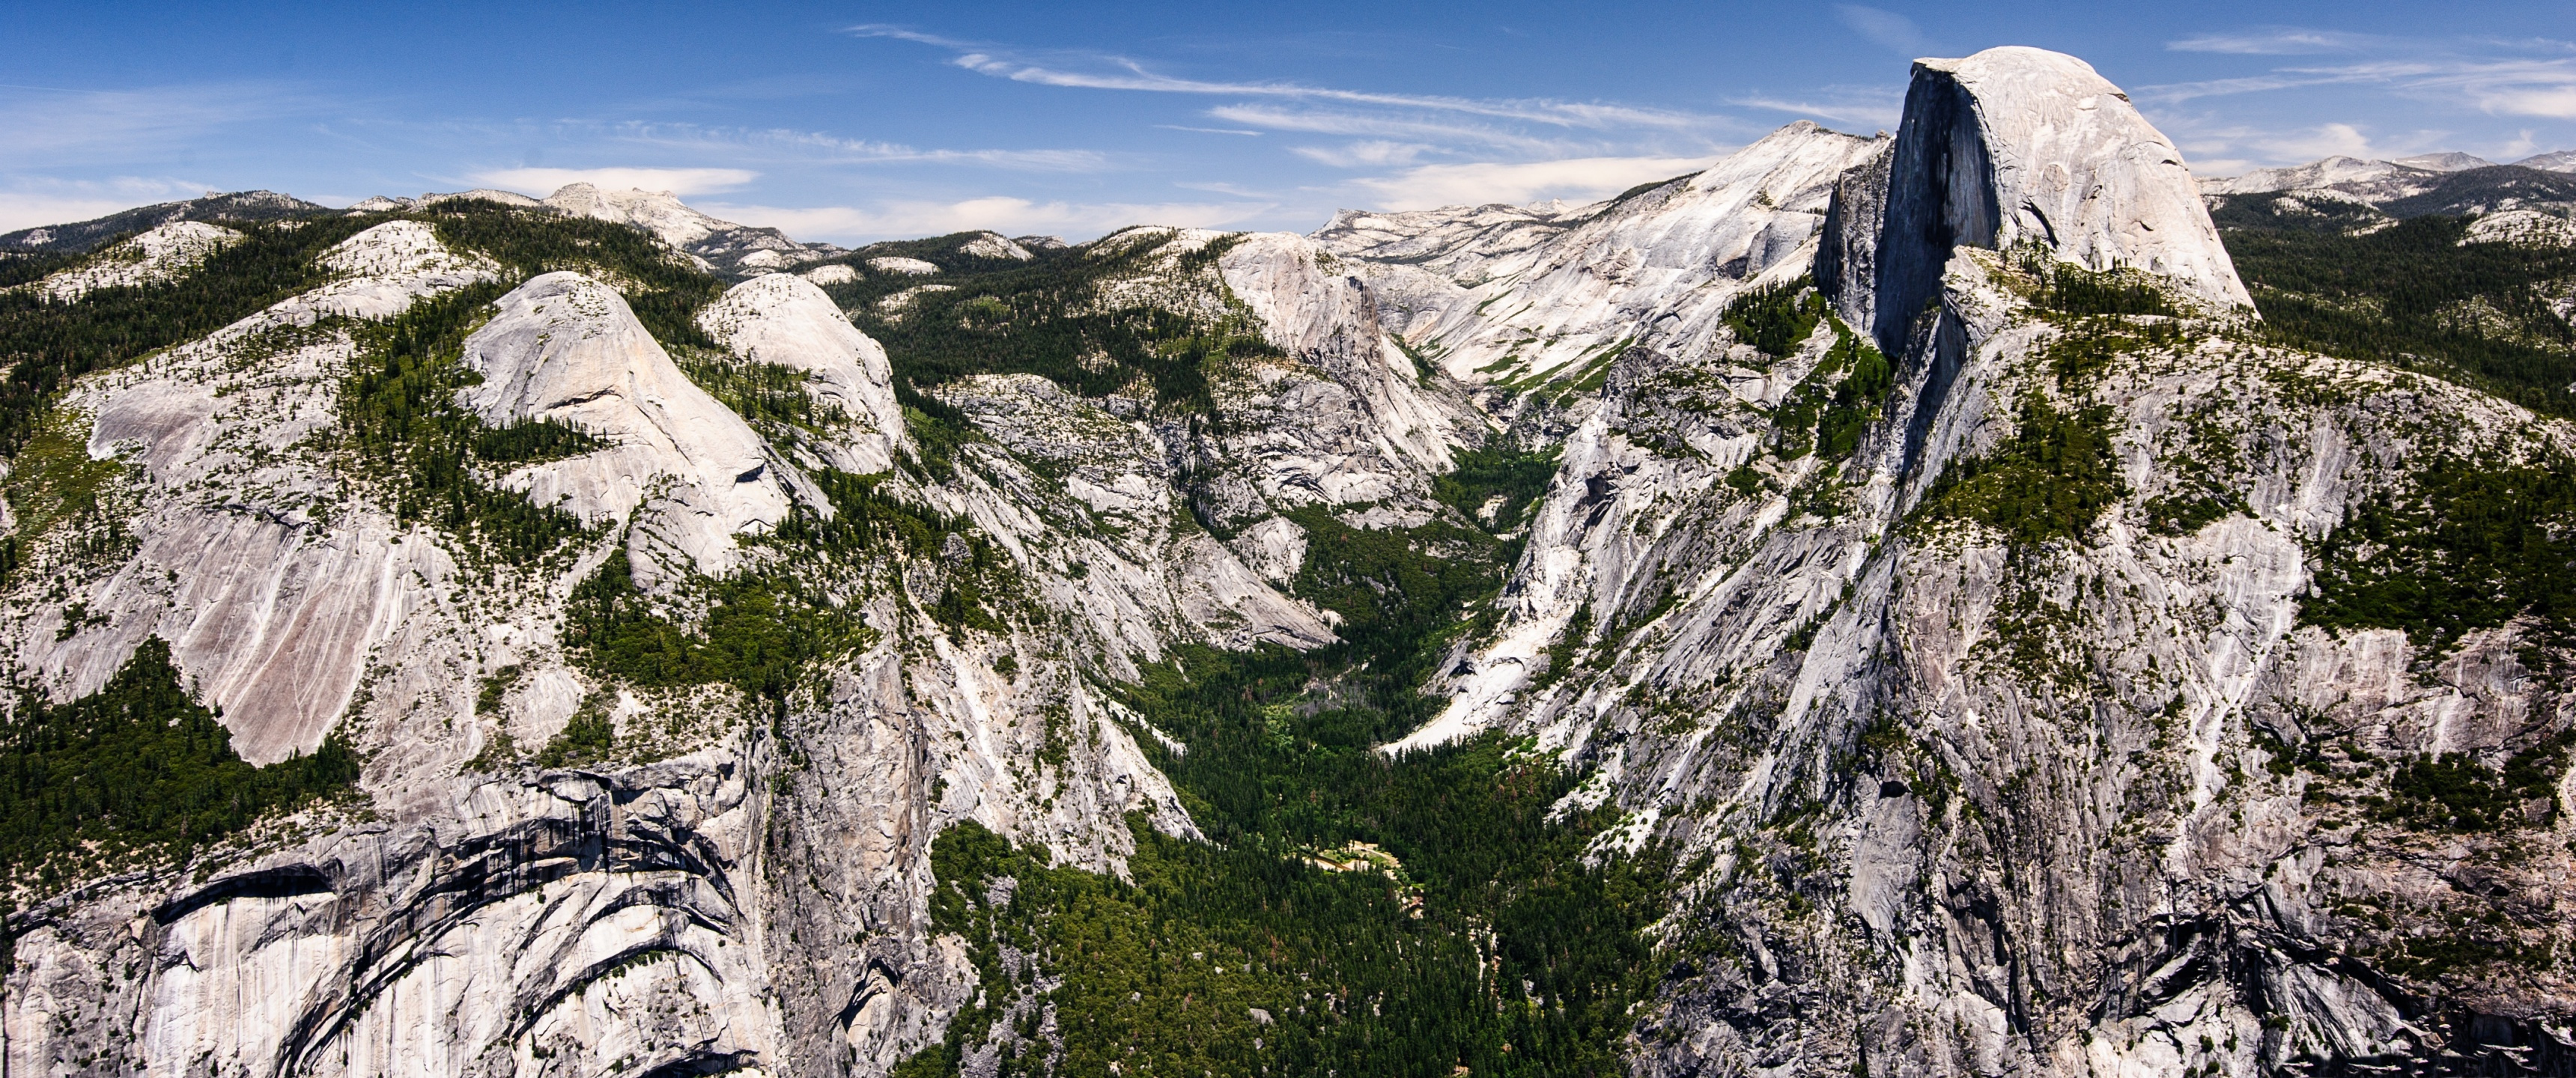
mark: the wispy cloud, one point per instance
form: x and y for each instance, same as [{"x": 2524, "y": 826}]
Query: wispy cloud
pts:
[
  {"x": 1428, "y": 149},
  {"x": 1112, "y": 72},
  {"x": 2273, "y": 41},
  {"x": 1209, "y": 130},
  {"x": 1384, "y": 125},
  {"x": 44, "y": 126},
  {"x": 819, "y": 147},
  {"x": 2533, "y": 78},
  {"x": 1374, "y": 153},
  {"x": 26, "y": 202},
  {"x": 1881, "y": 111},
  {"x": 678, "y": 181},
  {"x": 1016, "y": 216},
  {"x": 1886, "y": 29}
]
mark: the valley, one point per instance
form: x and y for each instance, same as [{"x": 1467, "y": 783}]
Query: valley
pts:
[{"x": 1971, "y": 600}]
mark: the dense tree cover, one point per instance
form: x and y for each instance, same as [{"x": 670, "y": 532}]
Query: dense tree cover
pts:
[
  {"x": 44, "y": 345},
  {"x": 766, "y": 395},
  {"x": 20, "y": 268},
  {"x": 2411, "y": 295},
  {"x": 2066, "y": 288},
  {"x": 2454, "y": 792},
  {"x": 1484, "y": 942},
  {"x": 1776, "y": 318},
  {"x": 2281, "y": 211},
  {"x": 753, "y": 638},
  {"x": 949, "y": 254},
  {"x": 1519, "y": 476},
  {"x": 138, "y": 768},
  {"x": 664, "y": 288},
  {"x": 765, "y": 626},
  {"x": 400, "y": 422},
  {"x": 1051, "y": 317},
  {"x": 2476, "y": 542},
  {"x": 2049, "y": 481},
  {"x": 1834, "y": 403}
]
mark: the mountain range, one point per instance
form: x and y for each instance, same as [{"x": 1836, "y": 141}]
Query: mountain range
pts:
[{"x": 1975, "y": 600}]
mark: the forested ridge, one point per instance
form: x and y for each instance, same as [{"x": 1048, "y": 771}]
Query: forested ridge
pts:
[
  {"x": 1051, "y": 316},
  {"x": 2410, "y": 294}
]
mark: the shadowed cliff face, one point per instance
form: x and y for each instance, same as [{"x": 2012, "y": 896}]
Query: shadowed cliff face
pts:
[
  {"x": 2013, "y": 146},
  {"x": 1995, "y": 761},
  {"x": 1940, "y": 195}
]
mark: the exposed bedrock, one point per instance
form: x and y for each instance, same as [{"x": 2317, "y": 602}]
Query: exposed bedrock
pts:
[{"x": 2016, "y": 145}]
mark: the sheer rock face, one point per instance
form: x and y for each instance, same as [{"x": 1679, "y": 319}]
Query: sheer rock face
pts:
[
  {"x": 2018, "y": 145},
  {"x": 1974, "y": 803},
  {"x": 271, "y": 597},
  {"x": 1328, "y": 321}
]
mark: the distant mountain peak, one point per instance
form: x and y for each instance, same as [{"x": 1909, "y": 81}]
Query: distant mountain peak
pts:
[
  {"x": 2445, "y": 161},
  {"x": 83, "y": 236}
]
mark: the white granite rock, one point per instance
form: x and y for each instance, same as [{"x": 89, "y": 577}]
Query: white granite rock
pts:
[
  {"x": 155, "y": 255},
  {"x": 788, "y": 321},
  {"x": 565, "y": 348}
]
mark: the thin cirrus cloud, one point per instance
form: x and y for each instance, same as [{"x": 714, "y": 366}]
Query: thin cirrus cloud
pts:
[
  {"x": 2273, "y": 41},
  {"x": 50, "y": 126},
  {"x": 1428, "y": 149},
  {"x": 1372, "y": 153},
  {"x": 2539, "y": 88},
  {"x": 1887, "y": 29},
  {"x": 2535, "y": 78},
  {"x": 1121, "y": 73},
  {"x": 1417, "y": 128},
  {"x": 785, "y": 145},
  {"x": 1859, "y": 114},
  {"x": 678, "y": 181}
]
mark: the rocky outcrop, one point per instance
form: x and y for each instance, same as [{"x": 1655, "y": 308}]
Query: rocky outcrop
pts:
[
  {"x": 1328, "y": 321},
  {"x": 2023, "y": 146},
  {"x": 742, "y": 249},
  {"x": 88, "y": 235},
  {"x": 2350, "y": 177},
  {"x": 2522, "y": 228},
  {"x": 788, "y": 322},
  {"x": 565, "y": 348},
  {"x": 1654, "y": 269},
  {"x": 159, "y": 254},
  {"x": 236, "y": 546},
  {"x": 1972, "y": 801}
]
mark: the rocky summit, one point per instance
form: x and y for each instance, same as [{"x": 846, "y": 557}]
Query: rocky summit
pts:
[{"x": 1970, "y": 601}]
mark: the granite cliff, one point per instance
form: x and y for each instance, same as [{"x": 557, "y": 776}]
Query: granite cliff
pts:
[{"x": 1930, "y": 597}]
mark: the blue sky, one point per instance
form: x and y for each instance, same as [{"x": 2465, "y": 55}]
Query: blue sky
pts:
[{"x": 858, "y": 121}]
